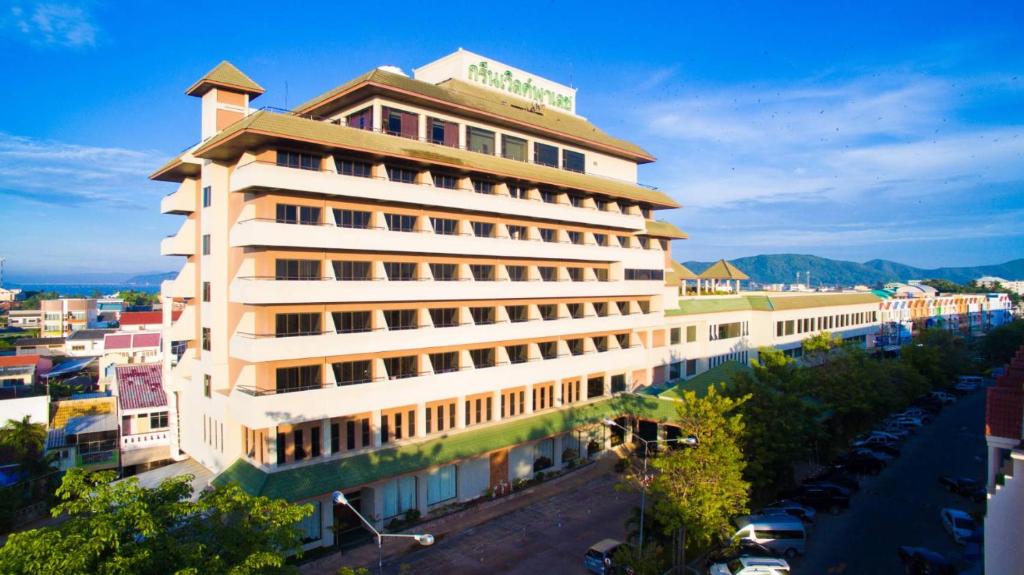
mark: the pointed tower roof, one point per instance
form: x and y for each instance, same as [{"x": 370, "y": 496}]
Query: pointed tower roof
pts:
[
  {"x": 659, "y": 229},
  {"x": 677, "y": 273},
  {"x": 225, "y": 75},
  {"x": 723, "y": 270}
]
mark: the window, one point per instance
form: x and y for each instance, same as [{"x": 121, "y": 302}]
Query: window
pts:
[
  {"x": 548, "y": 311},
  {"x": 299, "y": 444},
  {"x": 516, "y": 313},
  {"x": 441, "y": 484},
  {"x": 623, "y": 340},
  {"x": 400, "y": 319},
  {"x": 444, "y": 272},
  {"x": 544, "y": 454},
  {"x": 444, "y": 316},
  {"x": 675, "y": 370},
  {"x": 206, "y": 291},
  {"x": 206, "y": 244},
  {"x": 482, "y": 357},
  {"x": 483, "y": 187},
  {"x": 351, "y": 373},
  {"x": 516, "y": 273},
  {"x": 573, "y": 161},
  {"x": 545, "y": 155},
  {"x": 206, "y": 339},
  {"x": 298, "y": 160},
  {"x": 595, "y": 386},
  {"x": 444, "y": 226},
  {"x": 403, "y": 175},
  {"x": 645, "y": 242},
  {"x": 517, "y": 191},
  {"x": 645, "y": 306},
  {"x": 158, "y": 420},
  {"x": 675, "y": 336},
  {"x": 517, "y": 232},
  {"x": 207, "y": 196},
  {"x": 401, "y": 367},
  {"x": 400, "y": 271},
  {"x": 548, "y": 273},
  {"x": 575, "y": 274},
  {"x": 575, "y": 237},
  {"x": 446, "y": 181},
  {"x": 400, "y": 222},
  {"x": 728, "y": 330},
  {"x": 691, "y": 367},
  {"x": 575, "y": 310},
  {"x": 601, "y": 239},
  {"x": 363, "y": 119},
  {"x": 296, "y": 324},
  {"x": 482, "y": 315},
  {"x": 548, "y": 349},
  {"x": 483, "y": 229},
  {"x": 297, "y": 269},
  {"x": 623, "y": 241},
  {"x": 298, "y": 378},
  {"x": 575, "y": 346},
  {"x": 548, "y": 197},
  {"x": 575, "y": 200},
  {"x": 547, "y": 234},
  {"x": 619, "y": 383},
  {"x": 207, "y": 385},
  {"x": 691, "y": 333},
  {"x": 399, "y": 496},
  {"x": 445, "y": 362},
  {"x": 352, "y": 219},
  {"x": 354, "y": 168},
  {"x": 601, "y": 308},
  {"x": 399, "y": 123},
  {"x": 482, "y": 272},
  {"x": 351, "y": 321},
  {"x": 517, "y": 353},
  {"x": 351, "y": 271},
  {"x": 601, "y": 274},
  {"x": 644, "y": 275},
  {"x": 291, "y": 214},
  {"x": 480, "y": 140},
  {"x": 601, "y": 343},
  {"x": 513, "y": 148},
  {"x": 602, "y": 204},
  {"x": 623, "y": 307},
  {"x": 444, "y": 133},
  {"x": 314, "y": 442}
]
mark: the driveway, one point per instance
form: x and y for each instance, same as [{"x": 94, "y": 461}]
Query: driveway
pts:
[
  {"x": 901, "y": 505},
  {"x": 549, "y": 536}
]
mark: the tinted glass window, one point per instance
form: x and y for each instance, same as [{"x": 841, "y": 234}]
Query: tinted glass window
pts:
[
  {"x": 545, "y": 155},
  {"x": 513, "y": 148},
  {"x": 573, "y": 161},
  {"x": 479, "y": 140}
]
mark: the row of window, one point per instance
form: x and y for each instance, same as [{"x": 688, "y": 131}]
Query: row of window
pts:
[
  {"x": 311, "y": 270},
  {"x": 397, "y": 122},
  {"x": 360, "y": 219},
  {"x": 675, "y": 369},
  {"x": 309, "y": 323},
  {"x": 728, "y": 330},
  {"x": 822, "y": 323},
  {"x": 740, "y": 356},
  {"x": 676, "y": 335}
]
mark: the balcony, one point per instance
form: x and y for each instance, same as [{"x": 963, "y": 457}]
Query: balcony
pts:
[
  {"x": 183, "y": 286},
  {"x": 256, "y": 232},
  {"x": 261, "y": 411},
  {"x": 266, "y": 176},
  {"x": 97, "y": 459},
  {"x": 182, "y": 201},
  {"x": 269, "y": 348},
  {"x": 184, "y": 329},
  {"x": 137, "y": 441},
  {"x": 257, "y": 291},
  {"x": 182, "y": 243}
]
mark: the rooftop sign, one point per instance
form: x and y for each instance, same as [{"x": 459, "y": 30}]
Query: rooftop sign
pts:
[{"x": 484, "y": 72}]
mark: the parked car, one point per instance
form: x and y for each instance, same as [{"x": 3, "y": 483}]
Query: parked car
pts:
[
  {"x": 751, "y": 566},
  {"x": 823, "y": 497},
  {"x": 965, "y": 486},
  {"x": 862, "y": 462},
  {"x": 895, "y": 438},
  {"x": 599, "y": 558},
  {"x": 782, "y": 534},
  {"x": 943, "y": 397},
  {"x": 907, "y": 422},
  {"x": 958, "y": 523},
  {"x": 964, "y": 388},
  {"x": 836, "y": 474},
  {"x": 900, "y": 432},
  {"x": 739, "y": 548},
  {"x": 792, "y": 508},
  {"x": 918, "y": 412},
  {"x": 923, "y": 561},
  {"x": 880, "y": 444}
]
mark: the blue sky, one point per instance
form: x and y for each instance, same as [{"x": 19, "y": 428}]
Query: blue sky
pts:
[{"x": 832, "y": 128}]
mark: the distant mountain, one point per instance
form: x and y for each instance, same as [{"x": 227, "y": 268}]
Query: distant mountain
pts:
[
  {"x": 783, "y": 268},
  {"x": 152, "y": 279}
]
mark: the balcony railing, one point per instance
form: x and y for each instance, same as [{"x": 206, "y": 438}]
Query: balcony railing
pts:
[{"x": 17, "y": 391}]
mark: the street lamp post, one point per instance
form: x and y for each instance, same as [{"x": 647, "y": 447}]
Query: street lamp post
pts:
[
  {"x": 424, "y": 539},
  {"x": 689, "y": 440}
]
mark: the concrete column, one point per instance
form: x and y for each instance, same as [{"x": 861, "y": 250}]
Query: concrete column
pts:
[
  {"x": 325, "y": 436},
  {"x": 460, "y": 412},
  {"x": 375, "y": 428},
  {"x": 272, "y": 446},
  {"x": 556, "y": 401},
  {"x": 528, "y": 400},
  {"x": 326, "y": 521},
  {"x": 421, "y": 420},
  {"x": 421, "y": 493},
  {"x": 584, "y": 391},
  {"x": 496, "y": 409}
]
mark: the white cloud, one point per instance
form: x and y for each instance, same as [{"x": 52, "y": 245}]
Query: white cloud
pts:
[
  {"x": 59, "y": 173},
  {"x": 46, "y": 24}
]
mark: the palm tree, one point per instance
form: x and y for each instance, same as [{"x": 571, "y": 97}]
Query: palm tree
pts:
[{"x": 25, "y": 438}]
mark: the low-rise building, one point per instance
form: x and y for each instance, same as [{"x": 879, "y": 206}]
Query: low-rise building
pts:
[
  {"x": 61, "y": 317},
  {"x": 145, "y": 423},
  {"x": 20, "y": 391},
  {"x": 23, "y": 318},
  {"x": 86, "y": 342},
  {"x": 144, "y": 320},
  {"x": 84, "y": 433},
  {"x": 127, "y": 349},
  {"x": 9, "y": 294},
  {"x": 49, "y": 346},
  {"x": 989, "y": 282},
  {"x": 1004, "y": 432}
]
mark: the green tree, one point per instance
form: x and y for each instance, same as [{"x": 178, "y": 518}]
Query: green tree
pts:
[
  {"x": 138, "y": 297},
  {"x": 25, "y": 440},
  {"x": 122, "y": 528},
  {"x": 697, "y": 491},
  {"x": 32, "y": 299},
  {"x": 999, "y": 346},
  {"x": 817, "y": 347}
]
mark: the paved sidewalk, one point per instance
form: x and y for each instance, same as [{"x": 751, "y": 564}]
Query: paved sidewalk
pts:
[{"x": 461, "y": 521}]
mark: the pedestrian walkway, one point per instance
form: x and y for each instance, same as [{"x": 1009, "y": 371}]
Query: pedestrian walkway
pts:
[{"x": 460, "y": 521}]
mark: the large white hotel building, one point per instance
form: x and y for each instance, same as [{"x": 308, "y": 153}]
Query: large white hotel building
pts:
[{"x": 416, "y": 289}]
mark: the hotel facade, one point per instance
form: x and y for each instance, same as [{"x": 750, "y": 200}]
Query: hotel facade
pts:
[{"x": 418, "y": 290}]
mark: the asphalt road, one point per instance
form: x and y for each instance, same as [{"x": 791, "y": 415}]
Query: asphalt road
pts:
[
  {"x": 549, "y": 536},
  {"x": 901, "y": 505}
]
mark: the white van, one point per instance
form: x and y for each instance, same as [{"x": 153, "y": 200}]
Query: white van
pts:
[{"x": 779, "y": 533}]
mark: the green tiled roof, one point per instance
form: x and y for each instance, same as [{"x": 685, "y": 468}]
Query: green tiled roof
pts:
[
  {"x": 455, "y": 93},
  {"x": 263, "y": 127},
  {"x": 313, "y": 480},
  {"x": 721, "y": 373},
  {"x": 227, "y": 75},
  {"x": 665, "y": 230},
  {"x": 821, "y": 300},
  {"x": 760, "y": 302},
  {"x": 723, "y": 270}
]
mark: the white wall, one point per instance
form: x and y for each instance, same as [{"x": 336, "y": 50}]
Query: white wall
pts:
[{"x": 37, "y": 408}]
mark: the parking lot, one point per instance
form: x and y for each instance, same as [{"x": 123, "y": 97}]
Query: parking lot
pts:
[{"x": 901, "y": 505}]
